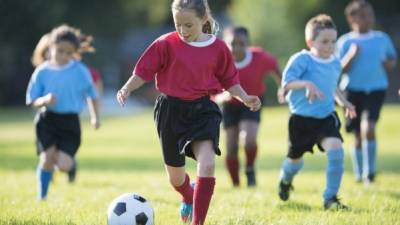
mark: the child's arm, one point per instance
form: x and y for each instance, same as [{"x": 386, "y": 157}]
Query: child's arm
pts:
[
  {"x": 46, "y": 100},
  {"x": 251, "y": 101},
  {"x": 350, "y": 109},
  {"x": 312, "y": 91},
  {"x": 277, "y": 76},
  {"x": 349, "y": 57},
  {"x": 389, "y": 64},
  {"x": 93, "y": 106},
  {"x": 132, "y": 84}
]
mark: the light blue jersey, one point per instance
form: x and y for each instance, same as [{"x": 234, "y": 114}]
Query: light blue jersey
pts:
[
  {"x": 323, "y": 73},
  {"x": 70, "y": 84},
  {"x": 367, "y": 72}
]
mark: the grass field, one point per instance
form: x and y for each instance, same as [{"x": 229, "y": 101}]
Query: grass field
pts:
[{"x": 124, "y": 156}]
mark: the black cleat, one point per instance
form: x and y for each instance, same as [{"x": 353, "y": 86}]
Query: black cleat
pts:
[
  {"x": 284, "y": 190},
  {"x": 72, "y": 173},
  {"x": 251, "y": 177},
  {"x": 334, "y": 204}
]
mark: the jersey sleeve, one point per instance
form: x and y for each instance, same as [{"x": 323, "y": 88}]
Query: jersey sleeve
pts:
[
  {"x": 270, "y": 63},
  {"x": 89, "y": 87},
  {"x": 35, "y": 88},
  {"x": 227, "y": 74},
  {"x": 294, "y": 69},
  {"x": 151, "y": 61},
  {"x": 390, "y": 50}
]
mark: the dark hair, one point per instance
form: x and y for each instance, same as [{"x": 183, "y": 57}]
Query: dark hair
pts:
[
  {"x": 240, "y": 30},
  {"x": 202, "y": 10},
  {"x": 355, "y": 6},
  {"x": 65, "y": 33},
  {"x": 318, "y": 23}
]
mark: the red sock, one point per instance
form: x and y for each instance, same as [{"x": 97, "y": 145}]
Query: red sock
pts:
[
  {"x": 203, "y": 192},
  {"x": 186, "y": 191},
  {"x": 232, "y": 164},
  {"x": 251, "y": 154}
]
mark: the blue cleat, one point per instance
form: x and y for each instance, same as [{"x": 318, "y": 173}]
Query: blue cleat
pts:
[{"x": 186, "y": 212}]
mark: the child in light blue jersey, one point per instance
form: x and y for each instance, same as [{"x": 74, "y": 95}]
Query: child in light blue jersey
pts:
[
  {"x": 311, "y": 78},
  {"x": 59, "y": 88},
  {"x": 366, "y": 57}
]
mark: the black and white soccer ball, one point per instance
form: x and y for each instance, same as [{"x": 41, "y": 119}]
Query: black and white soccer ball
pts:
[{"x": 130, "y": 209}]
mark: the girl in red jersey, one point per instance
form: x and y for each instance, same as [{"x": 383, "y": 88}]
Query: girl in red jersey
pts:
[
  {"x": 185, "y": 65},
  {"x": 253, "y": 64}
]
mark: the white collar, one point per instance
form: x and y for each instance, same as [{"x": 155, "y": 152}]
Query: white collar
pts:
[
  {"x": 202, "y": 43},
  {"x": 62, "y": 67},
  {"x": 246, "y": 61},
  {"x": 321, "y": 60},
  {"x": 370, "y": 34}
]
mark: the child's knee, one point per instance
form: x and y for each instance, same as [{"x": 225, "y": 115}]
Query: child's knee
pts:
[
  {"x": 64, "y": 162},
  {"x": 207, "y": 168}
]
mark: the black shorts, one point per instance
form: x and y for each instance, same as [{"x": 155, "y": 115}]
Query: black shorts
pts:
[
  {"x": 305, "y": 132},
  {"x": 61, "y": 130},
  {"x": 179, "y": 123},
  {"x": 232, "y": 114},
  {"x": 368, "y": 106}
]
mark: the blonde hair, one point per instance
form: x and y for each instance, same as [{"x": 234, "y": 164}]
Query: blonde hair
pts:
[
  {"x": 202, "y": 10},
  {"x": 316, "y": 24},
  {"x": 41, "y": 52}
]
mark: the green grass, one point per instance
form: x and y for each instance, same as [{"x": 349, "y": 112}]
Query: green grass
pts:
[{"x": 124, "y": 156}]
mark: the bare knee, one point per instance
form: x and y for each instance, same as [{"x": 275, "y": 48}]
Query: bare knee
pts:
[
  {"x": 207, "y": 168},
  {"x": 47, "y": 159},
  {"x": 64, "y": 161}
]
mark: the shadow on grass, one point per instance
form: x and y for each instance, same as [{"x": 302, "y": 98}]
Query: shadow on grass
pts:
[
  {"x": 294, "y": 206},
  {"x": 31, "y": 222}
]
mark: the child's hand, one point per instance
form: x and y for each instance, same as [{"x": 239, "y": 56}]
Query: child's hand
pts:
[
  {"x": 95, "y": 122},
  {"x": 49, "y": 99},
  {"x": 399, "y": 92},
  {"x": 313, "y": 92},
  {"x": 389, "y": 64},
  {"x": 253, "y": 102},
  {"x": 122, "y": 95},
  {"x": 222, "y": 97},
  {"x": 350, "y": 110},
  {"x": 281, "y": 95}
]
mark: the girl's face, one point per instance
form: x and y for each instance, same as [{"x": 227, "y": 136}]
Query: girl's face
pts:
[
  {"x": 324, "y": 44},
  {"x": 62, "y": 52},
  {"x": 238, "y": 44},
  {"x": 364, "y": 20},
  {"x": 188, "y": 25}
]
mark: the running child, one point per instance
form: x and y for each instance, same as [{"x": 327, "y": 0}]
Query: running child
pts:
[
  {"x": 59, "y": 88},
  {"x": 367, "y": 55},
  {"x": 254, "y": 64},
  {"x": 311, "y": 78},
  {"x": 185, "y": 65}
]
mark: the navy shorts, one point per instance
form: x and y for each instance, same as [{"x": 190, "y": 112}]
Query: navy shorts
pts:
[
  {"x": 232, "y": 114},
  {"x": 368, "y": 106},
  {"x": 305, "y": 132},
  {"x": 179, "y": 123},
  {"x": 61, "y": 130}
]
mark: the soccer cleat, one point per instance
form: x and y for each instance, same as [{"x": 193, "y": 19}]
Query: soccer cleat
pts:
[
  {"x": 334, "y": 204},
  {"x": 72, "y": 173},
  {"x": 186, "y": 212},
  {"x": 251, "y": 177},
  {"x": 284, "y": 190}
]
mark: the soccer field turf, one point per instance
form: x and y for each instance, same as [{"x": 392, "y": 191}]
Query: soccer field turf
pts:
[{"x": 124, "y": 156}]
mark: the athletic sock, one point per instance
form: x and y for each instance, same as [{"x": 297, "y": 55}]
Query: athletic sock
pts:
[
  {"x": 203, "y": 192},
  {"x": 186, "y": 190},
  {"x": 334, "y": 172},
  {"x": 232, "y": 164}
]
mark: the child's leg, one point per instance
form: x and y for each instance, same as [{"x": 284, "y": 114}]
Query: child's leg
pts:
[
  {"x": 334, "y": 168},
  {"x": 356, "y": 156},
  {"x": 180, "y": 180},
  {"x": 205, "y": 156},
  {"x": 368, "y": 148},
  {"x": 45, "y": 171},
  {"x": 290, "y": 168},
  {"x": 232, "y": 159},
  {"x": 64, "y": 161},
  {"x": 250, "y": 129}
]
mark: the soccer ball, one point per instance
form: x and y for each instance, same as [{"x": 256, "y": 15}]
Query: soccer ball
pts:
[{"x": 130, "y": 209}]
